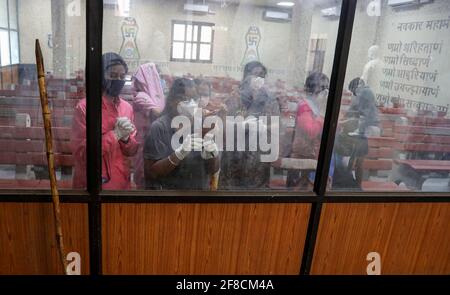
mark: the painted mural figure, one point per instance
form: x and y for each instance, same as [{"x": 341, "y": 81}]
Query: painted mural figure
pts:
[
  {"x": 252, "y": 39},
  {"x": 372, "y": 64},
  {"x": 129, "y": 49}
]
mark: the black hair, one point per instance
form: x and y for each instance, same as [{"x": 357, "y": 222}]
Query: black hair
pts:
[
  {"x": 199, "y": 81},
  {"x": 177, "y": 93},
  {"x": 111, "y": 59},
  {"x": 354, "y": 84},
  {"x": 312, "y": 82},
  {"x": 252, "y": 65}
]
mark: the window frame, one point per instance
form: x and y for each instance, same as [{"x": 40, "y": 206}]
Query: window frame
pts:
[
  {"x": 198, "y": 42},
  {"x": 9, "y": 29},
  {"x": 95, "y": 197}
]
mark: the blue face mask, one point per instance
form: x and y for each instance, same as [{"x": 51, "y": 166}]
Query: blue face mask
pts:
[{"x": 114, "y": 87}]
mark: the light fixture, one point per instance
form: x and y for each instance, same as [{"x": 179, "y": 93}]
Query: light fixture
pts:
[{"x": 286, "y": 3}]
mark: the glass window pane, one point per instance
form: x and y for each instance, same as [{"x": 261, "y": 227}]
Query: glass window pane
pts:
[
  {"x": 13, "y": 14},
  {"x": 179, "y": 32},
  {"x": 188, "y": 51},
  {"x": 205, "y": 52},
  {"x": 273, "y": 47},
  {"x": 23, "y": 162},
  {"x": 394, "y": 125},
  {"x": 194, "y": 50},
  {"x": 195, "y": 33},
  {"x": 178, "y": 50},
  {"x": 14, "y": 47},
  {"x": 3, "y": 14},
  {"x": 189, "y": 33},
  {"x": 4, "y": 48},
  {"x": 206, "y": 34}
]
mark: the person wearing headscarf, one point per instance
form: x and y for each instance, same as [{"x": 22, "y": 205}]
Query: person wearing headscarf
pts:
[
  {"x": 118, "y": 130},
  {"x": 148, "y": 104},
  {"x": 244, "y": 169}
]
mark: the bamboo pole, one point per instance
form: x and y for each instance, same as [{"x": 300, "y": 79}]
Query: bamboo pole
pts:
[{"x": 46, "y": 114}]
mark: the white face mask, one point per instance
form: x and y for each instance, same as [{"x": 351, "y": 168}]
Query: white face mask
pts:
[
  {"x": 323, "y": 95},
  {"x": 257, "y": 83},
  {"x": 322, "y": 101},
  {"x": 187, "y": 108}
]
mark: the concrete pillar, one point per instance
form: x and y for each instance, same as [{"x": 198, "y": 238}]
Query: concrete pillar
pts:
[
  {"x": 59, "y": 37},
  {"x": 300, "y": 35}
]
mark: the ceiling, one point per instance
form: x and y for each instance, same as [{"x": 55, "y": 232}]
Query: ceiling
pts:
[{"x": 273, "y": 3}]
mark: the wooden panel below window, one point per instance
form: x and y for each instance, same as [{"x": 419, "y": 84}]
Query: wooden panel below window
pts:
[
  {"x": 411, "y": 238},
  {"x": 203, "y": 238},
  {"x": 27, "y": 237}
]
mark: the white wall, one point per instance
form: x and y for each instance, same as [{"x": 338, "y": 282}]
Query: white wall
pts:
[
  {"x": 35, "y": 22},
  {"x": 381, "y": 30},
  {"x": 282, "y": 48},
  {"x": 439, "y": 61},
  {"x": 154, "y": 19}
]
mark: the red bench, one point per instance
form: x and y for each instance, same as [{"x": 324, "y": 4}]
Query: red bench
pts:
[
  {"x": 423, "y": 147},
  {"x": 62, "y": 110},
  {"x": 379, "y": 160},
  {"x": 23, "y": 146}
]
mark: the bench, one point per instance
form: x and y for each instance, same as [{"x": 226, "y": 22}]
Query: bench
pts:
[
  {"x": 422, "y": 150},
  {"x": 380, "y": 155},
  {"x": 33, "y": 183},
  {"x": 62, "y": 110},
  {"x": 24, "y": 148},
  {"x": 377, "y": 165}
]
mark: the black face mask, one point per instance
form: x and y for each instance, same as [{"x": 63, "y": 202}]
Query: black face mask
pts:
[{"x": 113, "y": 87}]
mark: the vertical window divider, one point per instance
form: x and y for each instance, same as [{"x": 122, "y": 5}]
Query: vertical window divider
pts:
[
  {"x": 94, "y": 24},
  {"x": 9, "y": 32},
  {"x": 184, "y": 41},
  {"x": 335, "y": 93},
  {"x": 341, "y": 53},
  {"x": 192, "y": 40}
]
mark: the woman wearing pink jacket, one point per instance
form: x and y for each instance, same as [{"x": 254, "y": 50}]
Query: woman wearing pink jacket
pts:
[
  {"x": 118, "y": 131},
  {"x": 148, "y": 103},
  {"x": 308, "y": 127}
]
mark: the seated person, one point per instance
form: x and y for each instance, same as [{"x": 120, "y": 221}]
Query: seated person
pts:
[
  {"x": 363, "y": 113},
  {"x": 189, "y": 165},
  {"x": 351, "y": 145}
]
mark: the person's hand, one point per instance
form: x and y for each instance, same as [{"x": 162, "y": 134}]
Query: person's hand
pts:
[
  {"x": 210, "y": 149},
  {"x": 190, "y": 143},
  {"x": 123, "y": 128},
  {"x": 255, "y": 124}
]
